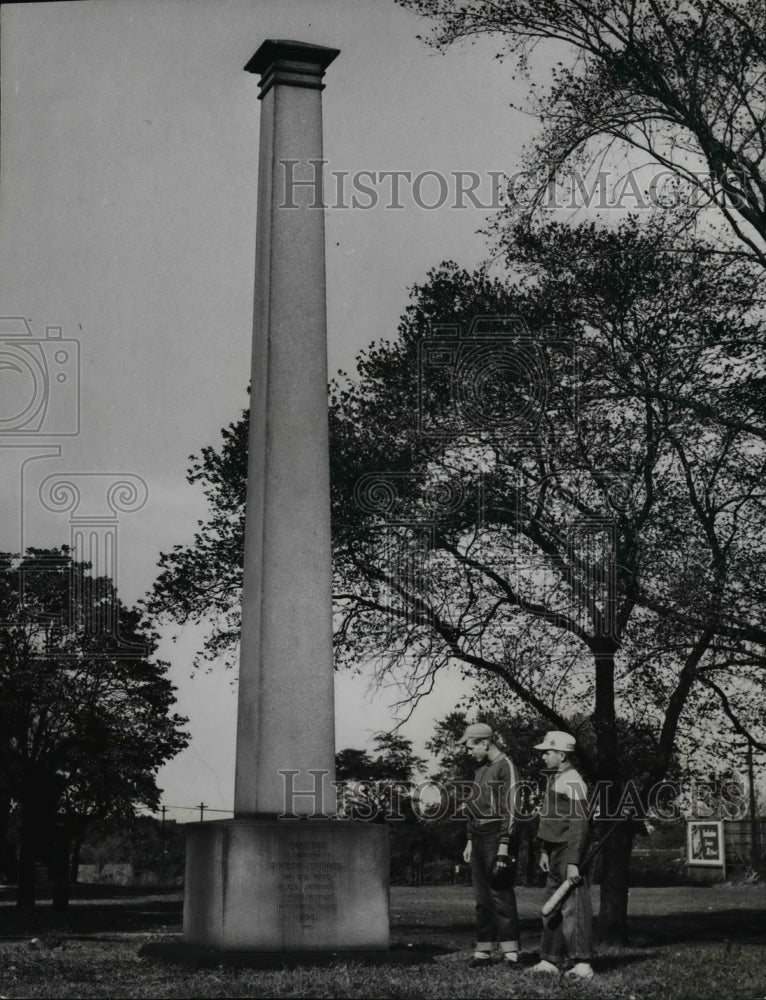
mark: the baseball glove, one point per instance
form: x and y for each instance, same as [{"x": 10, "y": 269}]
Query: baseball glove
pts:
[{"x": 502, "y": 872}]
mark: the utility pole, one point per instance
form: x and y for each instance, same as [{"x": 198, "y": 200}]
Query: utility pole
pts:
[{"x": 202, "y": 808}]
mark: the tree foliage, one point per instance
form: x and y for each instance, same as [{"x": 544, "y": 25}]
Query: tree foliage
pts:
[
  {"x": 524, "y": 500},
  {"x": 378, "y": 787},
  {"x": 202, "y": 582},
  {"x": 682, "y": 85},
  {"x": 84, "y": 728},
  {"x": 607, "y": 449},
  {"x": 392, "y": 759},
  {"x": 515, "y": 490}
]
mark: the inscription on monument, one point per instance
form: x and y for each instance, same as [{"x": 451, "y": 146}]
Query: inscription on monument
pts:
[{"x": 307, "y": 880}]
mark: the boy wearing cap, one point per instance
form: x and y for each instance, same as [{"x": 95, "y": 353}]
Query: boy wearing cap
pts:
[
  {"x": 490, "y": 833},
  {"x": 563, "y": 832}
]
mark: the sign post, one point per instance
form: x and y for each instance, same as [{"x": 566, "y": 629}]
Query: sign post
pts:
[{"x": 705, "y": 844}]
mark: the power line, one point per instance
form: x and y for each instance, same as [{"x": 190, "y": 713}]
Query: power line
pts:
[{"x": 193, "y": 808}]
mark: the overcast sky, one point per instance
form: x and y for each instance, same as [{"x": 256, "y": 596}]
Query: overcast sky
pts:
[{"x": 129, "y": 168}]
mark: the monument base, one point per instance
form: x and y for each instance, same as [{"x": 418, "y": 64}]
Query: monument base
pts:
[{"x": 263, "y": 885}]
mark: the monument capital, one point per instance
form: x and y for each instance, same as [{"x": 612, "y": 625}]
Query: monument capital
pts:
[{"x": 295, "y": 64}]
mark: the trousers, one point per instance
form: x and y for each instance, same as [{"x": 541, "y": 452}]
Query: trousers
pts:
[
  {"x": 497, "y": 919},
  {"x": 568, "y": 931}
]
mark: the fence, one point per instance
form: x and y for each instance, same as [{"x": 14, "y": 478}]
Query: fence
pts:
[{"x": 738, "y": 841}]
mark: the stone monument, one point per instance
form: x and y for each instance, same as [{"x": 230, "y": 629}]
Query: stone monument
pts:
[{"x": 283, "y": 875}]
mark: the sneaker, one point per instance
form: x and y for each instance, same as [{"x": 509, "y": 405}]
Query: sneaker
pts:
[
  {"x": 511, "y": 958},
  {"x": 545, "y": 966},
  {"x": 479, "y": 958},
  {"x": 582, "y": 970}
]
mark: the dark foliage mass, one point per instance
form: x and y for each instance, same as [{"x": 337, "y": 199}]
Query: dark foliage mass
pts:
[{"x": 86, "y": 713}]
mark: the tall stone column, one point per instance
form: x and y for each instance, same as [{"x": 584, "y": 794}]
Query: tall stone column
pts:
[
  {"x": 286, "y": 708},
  {"x": 282, "y": 876}
]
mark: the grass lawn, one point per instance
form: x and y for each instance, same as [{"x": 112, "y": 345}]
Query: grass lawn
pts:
[{"x": 687, "y": 942}]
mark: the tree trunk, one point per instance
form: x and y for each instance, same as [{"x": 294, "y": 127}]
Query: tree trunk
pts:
[
  {"x": 74, "y": 863},
  {"x": 7, "y": 852},
  {"x": 60, "y": 859},
  {"x": 25, "y": 885},
  {"x": 532, "y": 873},
  {"x": 612, "y": 920}
]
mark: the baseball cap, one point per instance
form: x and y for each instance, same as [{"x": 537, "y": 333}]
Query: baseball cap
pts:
[
  {"x": 562, "y": 742},
  {"x": 476, "y": 731}
]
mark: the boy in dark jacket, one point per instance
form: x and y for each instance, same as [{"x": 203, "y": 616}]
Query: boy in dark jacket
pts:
[{"x": 491, "y": 818}]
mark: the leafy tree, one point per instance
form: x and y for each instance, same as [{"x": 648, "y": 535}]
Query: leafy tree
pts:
[
  {"x": 394, "y": 759},
  {"x": 682, "y": 81},
  {"x": 356, "y": 765},
  {"x": 85, "y": 724},
  {"x": 554, "y": 519},
  {"x": 377, "y": 787},
  {"x": 202, "y": 582},
  {"x": 601, "y": 546}
]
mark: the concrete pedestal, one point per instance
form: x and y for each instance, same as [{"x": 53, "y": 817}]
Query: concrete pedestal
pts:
[{"x": 286, "y": 886}]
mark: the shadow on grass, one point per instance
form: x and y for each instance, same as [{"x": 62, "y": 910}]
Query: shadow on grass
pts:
[
  {"x": 743, "y": 926},
  {"x": 97, "y": 910},
  {"x": 527, "y": 925},
  {"x": 198, "y": 957},
  {"x": 616, "y": 963}
]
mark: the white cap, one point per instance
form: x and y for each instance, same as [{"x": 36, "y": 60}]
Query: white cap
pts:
[{"x": 562, "y": 742}]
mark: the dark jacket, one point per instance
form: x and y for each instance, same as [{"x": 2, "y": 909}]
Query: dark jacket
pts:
[{"x": 492, "y": 806}]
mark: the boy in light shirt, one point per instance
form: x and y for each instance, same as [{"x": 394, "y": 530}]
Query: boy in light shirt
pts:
[{"x": 563, "y": 833}]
